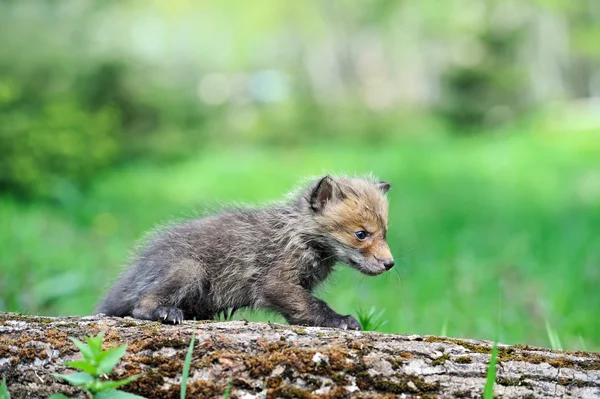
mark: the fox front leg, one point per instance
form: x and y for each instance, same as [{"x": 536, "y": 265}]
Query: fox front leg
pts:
[{"x": 300, "y": 307}]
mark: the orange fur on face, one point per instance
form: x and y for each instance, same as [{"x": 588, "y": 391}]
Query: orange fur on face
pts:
[{"x": 362, "y": 207}]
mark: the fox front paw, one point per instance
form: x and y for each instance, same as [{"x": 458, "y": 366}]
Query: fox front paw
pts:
[
  {"x": 344, "y": 322},
  {"x": 168, "y": 315}
]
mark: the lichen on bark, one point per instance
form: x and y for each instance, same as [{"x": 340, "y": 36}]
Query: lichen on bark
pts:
[{"x": 286, "y": 361}]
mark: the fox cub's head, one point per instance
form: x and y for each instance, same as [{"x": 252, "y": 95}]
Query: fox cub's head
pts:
[{"x": 353, "y": 212}]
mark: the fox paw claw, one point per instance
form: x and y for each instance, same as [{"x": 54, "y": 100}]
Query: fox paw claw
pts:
[
  {"x": 344, "y": 322},
  {"x": 168, "y": 315}
]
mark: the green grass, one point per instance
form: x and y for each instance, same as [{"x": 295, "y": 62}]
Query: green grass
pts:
[
  {"x": 371, "y": 320},
  {"x": 490, "y": 378},
  {"x": 186, "y": 367},
  {"x": 4, "y": 394},
  {"x": 553, "y": 338},
  {"x": 521, "y": 212},
  {"x": 227, "y": 392}
]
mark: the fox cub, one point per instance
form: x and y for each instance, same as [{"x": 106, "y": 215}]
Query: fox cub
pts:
[{"x": 271, "y": 257}]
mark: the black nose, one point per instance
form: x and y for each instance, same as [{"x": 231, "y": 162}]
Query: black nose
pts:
[{"x": 388, "y": 264}]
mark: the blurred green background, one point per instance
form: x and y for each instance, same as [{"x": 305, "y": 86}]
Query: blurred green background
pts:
[{"x": 484, "y": 116}]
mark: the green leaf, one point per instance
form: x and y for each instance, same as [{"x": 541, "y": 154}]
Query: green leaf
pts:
[
  {"x": 85, "y": 350},
  {"x": 4, "y": 394},
  {"x": 58, "y": 396},
  {"x": 114, "y": 394},
  {"x": 77, "y": 379},
  {"x": 83, "y": 366},
  {"x": 95, "y": 344},
  {"x": 107, "y": 385},
  {"x": 109, "y": 359}
]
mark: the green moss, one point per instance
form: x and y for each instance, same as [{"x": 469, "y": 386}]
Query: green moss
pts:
[
  {"x": 156, "y": 343},
  {"x": 403, "y": 384},
  {"x": 513, "y": 382},
  {"x": 423, "y": 386},
  {"x": 526, "y": 353},
  {"x": 340, "y": 379},
  {"x": 152, "y": 330},
  {"x": 558, "y": 362},
  {"x": 149, "y": 385},
  {"x": 67, "y": 324},
  {"x": 312, "y": 382},
  {"x": 202, "y": 389},
  {"x": 461, "y": 394},
  {"x": 356, "y": 368},
  {"x": 336, "y": 393},
  {"x": 29, "y": 319},
  {"x": 440, "y": 360},
  {"x": 467, "y": 345},
  {"x": 395, "y": 362},
  {"x": 463, "y": 360},
  {"x": 289, "y": 392},
  {"x": 301, "y": 332},
  {"x": 274, "y": 382}
]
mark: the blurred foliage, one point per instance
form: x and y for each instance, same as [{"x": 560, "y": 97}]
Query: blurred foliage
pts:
[
  {"x": 58, "y": 130},
  {"x": 58, "y": 142},
  {"x": 85, "y": 86},
  {"x": 488, "y": 93}
]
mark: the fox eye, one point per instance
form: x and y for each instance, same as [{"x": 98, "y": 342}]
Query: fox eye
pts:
[{"x": 361, "y": 234}]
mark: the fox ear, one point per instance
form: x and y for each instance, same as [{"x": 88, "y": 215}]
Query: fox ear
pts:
[
  {"x": 384, "y": 186},
  {"x": 322, "y": 193}
]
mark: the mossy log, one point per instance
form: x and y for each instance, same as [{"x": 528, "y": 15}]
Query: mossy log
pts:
[{"x": 272, "y": 360}]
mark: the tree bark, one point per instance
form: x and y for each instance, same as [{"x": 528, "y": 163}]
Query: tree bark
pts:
[{"x": 271, "y": 360}]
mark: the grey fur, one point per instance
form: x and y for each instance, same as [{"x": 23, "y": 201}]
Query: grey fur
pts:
[{"x": 271, "y": 257}]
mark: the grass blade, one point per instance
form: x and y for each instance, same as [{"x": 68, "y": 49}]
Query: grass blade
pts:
[
  {"x": 4, "y": 394},
  {"x": 369, "y": 320},
  {"x": 582, "y": 344},
  {"x": 553, "y": 337},
  {"x": 227, "y": 392},
  {"x": 490, "y": 381},
  {"x": 186, "y": 367}
]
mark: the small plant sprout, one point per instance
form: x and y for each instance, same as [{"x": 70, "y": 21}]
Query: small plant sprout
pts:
[
  {"x": 444, "y": 331},
  {"x": 371, "y": 321},
  {"x": 96, "y": 363},
  {"x": 553, "y": 337},
  {"x": 582, "y": 343}
]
